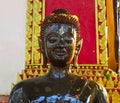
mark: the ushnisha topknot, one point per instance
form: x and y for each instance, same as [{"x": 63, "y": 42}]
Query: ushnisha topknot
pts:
[
  {"x": 61, "y": 11},
  {"x": 61, "y": 16}
]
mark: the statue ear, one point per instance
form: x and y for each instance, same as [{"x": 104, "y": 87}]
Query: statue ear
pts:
[
  {"x": 41, "y": 45},
  {"x": 78, "y": 48},
  {"x": 43, "y": 52}
]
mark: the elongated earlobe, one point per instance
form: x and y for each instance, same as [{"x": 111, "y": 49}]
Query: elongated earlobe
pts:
[
  {"x": 43, "y": 52},
  {"x": 44, "y": 61},
  {"x": 78, "y": 48},
  {"x": 75, "y": 61}
]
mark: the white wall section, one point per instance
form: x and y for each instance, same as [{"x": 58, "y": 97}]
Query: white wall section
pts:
[{"x": 12, "y": 41}]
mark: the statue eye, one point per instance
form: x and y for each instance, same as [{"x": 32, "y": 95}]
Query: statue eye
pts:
[
  {"x": 68, "y": 40},
  {"x": 52, "y": 39}
]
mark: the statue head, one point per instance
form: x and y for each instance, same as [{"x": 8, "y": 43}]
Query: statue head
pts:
[{"x": 60, "y": 40}]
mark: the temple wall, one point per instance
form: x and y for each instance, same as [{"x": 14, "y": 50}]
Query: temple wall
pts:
[{"x": 12, "y": 42}]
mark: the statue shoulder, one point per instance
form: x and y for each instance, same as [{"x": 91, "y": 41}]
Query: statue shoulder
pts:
[
  {"x": 17, "y": 96},
  {"x": 99, "y": 92},
  {"x": 93, "y": 92},
  {"x": 21, "y": 89}
]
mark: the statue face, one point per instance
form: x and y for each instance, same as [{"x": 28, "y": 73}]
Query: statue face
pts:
[{"x": 60, "y": 43}]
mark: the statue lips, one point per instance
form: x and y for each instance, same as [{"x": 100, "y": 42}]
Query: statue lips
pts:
[{"x": 61, "y": 52}]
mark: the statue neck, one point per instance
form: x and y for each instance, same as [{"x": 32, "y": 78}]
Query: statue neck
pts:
[{"x": 58, "y": 72}]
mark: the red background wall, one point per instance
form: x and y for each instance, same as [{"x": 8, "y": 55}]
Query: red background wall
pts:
[{"x": 85, "y": 10}]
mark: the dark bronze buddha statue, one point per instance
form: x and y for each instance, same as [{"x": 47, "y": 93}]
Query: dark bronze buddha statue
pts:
[{"x": 60, "y": 43}]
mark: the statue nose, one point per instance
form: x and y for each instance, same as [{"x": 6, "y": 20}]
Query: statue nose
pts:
[
  {"x": 61, "y": 39},
  {"x": 61, "y": 42}
]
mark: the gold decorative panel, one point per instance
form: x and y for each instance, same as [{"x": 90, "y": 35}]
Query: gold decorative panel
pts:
[{"x": 35, "y": 15}]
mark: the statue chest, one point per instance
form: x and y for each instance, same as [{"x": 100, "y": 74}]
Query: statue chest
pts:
[{"x": 67, "y": 92}]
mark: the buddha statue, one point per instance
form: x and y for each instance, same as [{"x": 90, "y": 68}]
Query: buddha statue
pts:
[{"x": 60, "y": 44}]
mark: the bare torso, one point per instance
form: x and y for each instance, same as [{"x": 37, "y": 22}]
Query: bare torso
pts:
[{"x": 71, "y": 89}]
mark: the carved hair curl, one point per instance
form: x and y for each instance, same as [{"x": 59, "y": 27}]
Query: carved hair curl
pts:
[{"x": 61, "y": 16}]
